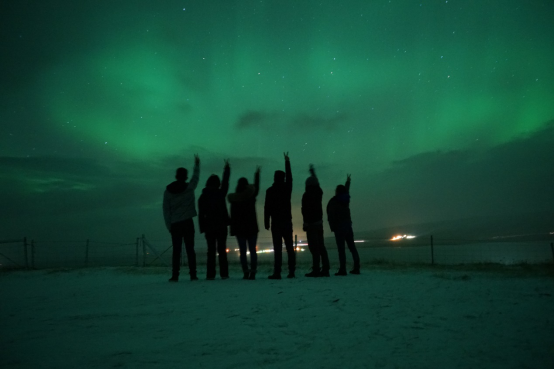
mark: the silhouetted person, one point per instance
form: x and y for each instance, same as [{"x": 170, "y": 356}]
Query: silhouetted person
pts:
[
  {"x": 338, "y": 214},
  {"x": 277, "y": 210},
  {"x": 213, "y": 220},
  {"x": 244, "y": 223},
  {"x": 179, "y": 209},
  {"x": 313, "y": 225}
]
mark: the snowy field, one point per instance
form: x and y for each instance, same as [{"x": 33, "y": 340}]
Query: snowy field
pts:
[{"x": 414, "y": 317}]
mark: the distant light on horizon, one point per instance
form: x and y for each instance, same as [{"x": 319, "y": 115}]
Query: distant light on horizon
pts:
[{"x": 400, "y": 237}]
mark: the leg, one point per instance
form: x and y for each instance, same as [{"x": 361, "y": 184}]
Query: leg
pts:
[
  {"x": 313, "y": 245},
  {"x": 349, "y": 236},
  {"x": 291, "y": 253},
  {"x": 253, "y": 253},
  {"x": 277, "y": 250},
  {"x": 222, "y": 251},
  {"x": 339, "y": 237},
  {"x": 189, "y": 245},
  {"x": 242, "y": 247},
  {"x": 177, "y": 241},
  {"x": 322, "y": 250},
  {"x": 211, "y": 241}
]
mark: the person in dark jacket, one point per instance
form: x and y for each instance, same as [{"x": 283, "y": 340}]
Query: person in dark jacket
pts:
[
  {"x": 213, "y": 220},
  {"x": 313, "y": 225},
  {"x": 277, "y": 209},
  {"x": 244, "y": 224},
  {"x": 178, "y": 209},
  {"x": 338, "y": 214}
]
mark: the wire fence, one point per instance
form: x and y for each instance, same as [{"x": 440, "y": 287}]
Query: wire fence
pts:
[{"x": 142, "y": 252}]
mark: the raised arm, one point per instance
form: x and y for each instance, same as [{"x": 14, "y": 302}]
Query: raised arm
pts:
[
  {"x": 288, "y": 171},
  {"x": 226, "y": 176},
  {"x": 347, "y": 184},
  {"x": 196, "y": 173}
]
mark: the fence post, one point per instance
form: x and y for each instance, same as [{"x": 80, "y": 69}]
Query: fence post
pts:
[
  {"x": 143, "y": 252},
  {"x": 432, "y": 251},
  {"x": 33, "y": 254},
  {"x": 137, "y": 248},
  {"x": 86, "y": 254},
  {"x": 25, "y": 252}
]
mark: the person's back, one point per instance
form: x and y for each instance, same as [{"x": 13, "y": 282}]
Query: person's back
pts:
[
  {"x": 212, "y": 208},
  {"x": 243, "y": 211},
  {"x": 179, "y": 200},
  {"x": 338, "y": 211},
  {"x": 277, "y": 209},
  {"x": 312, "y": 211}
]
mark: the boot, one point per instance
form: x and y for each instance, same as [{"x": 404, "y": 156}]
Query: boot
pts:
[
  {"x": 174, "y": 279},
  {"x": 274, "y": 277},
  {"x": 314, "y": 273},
  {"x": 355, "y": 271},
  {"x": 324, "y": 273},
  {"x": 193, "y": 276},
  {"x": 291, "y": 275},
  {"x": 252, "y": 276},
  {"x": 246, "y": 276},
  {"x": 341, "y": 272}
]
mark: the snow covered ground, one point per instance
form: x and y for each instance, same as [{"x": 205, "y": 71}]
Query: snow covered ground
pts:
[{"x": 387, "y": 317}]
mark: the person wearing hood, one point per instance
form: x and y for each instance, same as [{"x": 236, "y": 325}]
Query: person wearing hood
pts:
[
  {"x": 213, "y": 220},
  {"x": 277, "y": 209},
  {"x": 312, "y": 213},
  {"x": 338, "y": 214},
  {"x": 244, "y": 223},
  {"x": 179, "y": 209}
]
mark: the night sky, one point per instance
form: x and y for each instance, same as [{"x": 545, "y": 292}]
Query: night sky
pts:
[{"x": 440, "y": 110}]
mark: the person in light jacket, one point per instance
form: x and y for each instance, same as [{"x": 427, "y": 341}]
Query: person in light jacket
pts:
[{"x": 178, "y": 210}]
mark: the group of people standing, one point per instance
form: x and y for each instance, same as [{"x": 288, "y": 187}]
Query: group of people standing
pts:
[{"x": 214, "y": 220}]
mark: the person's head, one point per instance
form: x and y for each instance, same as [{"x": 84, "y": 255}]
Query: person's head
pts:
[
  {"x": 242, "y": 184},
  {"x": 312, "y": 181},
  {"x": 181, "y": 174},
  {"x": 213, "y": 182},
  {"x": 279, "y": 176},
  {"x": 341, "y": 189}
]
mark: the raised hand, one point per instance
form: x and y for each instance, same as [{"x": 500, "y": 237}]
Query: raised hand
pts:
[
  {"x": 286, "y": 156},
  {"x": 258, "y": 169},
  {"x": 227, "y": 165},
  {"x": 196, "y": 159},
  {"x": 348, "y": 177}
]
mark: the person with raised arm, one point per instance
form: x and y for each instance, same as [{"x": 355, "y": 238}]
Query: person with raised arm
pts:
[
  {"x": 178, "y": 210},
  {"x": 312, "y": 213},
  {"x": 213, "y": 220},
  {"x": 244, "y": 223},
  {"x": 278, "y": 217},
  {"x": 338, "y": 214}
]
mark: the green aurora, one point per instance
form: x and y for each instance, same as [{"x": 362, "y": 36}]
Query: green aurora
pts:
[{"x": 101, "y": 98}]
